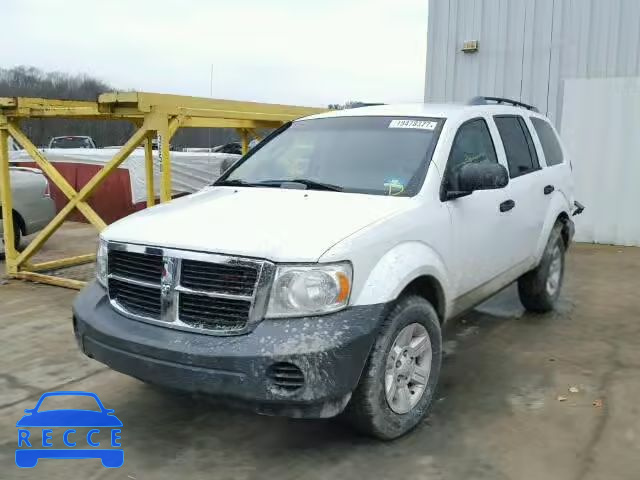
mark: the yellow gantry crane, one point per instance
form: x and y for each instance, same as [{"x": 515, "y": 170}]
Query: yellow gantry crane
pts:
[{"x": 155, "y": 116}]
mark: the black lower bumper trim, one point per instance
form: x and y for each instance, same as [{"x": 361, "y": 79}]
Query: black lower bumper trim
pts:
[{"x": 329, "y": 350}]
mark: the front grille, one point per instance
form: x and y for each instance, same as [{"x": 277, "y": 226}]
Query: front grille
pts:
[
  {"x": 137, "y": 266},
  {"x": 234, "y": 279},
  {"x": 214, "y": 313},
  {"x": 136, "y": 299},
  {"x": 286, "y": 376},
  {"x": 209, "y": 293}
]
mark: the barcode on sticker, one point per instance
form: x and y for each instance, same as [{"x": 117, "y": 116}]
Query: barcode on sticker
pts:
[{"x": 421, "y": 124}]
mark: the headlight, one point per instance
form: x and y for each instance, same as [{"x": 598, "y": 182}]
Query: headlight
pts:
[
  {"x": 101, "y": 263},
  {"x": 300, "y": 290}
]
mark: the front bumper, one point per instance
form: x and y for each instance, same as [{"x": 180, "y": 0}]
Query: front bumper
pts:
[{"x": 329, "y": 350}]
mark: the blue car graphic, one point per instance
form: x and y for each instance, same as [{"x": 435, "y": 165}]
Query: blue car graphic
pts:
[{"x": 28, "y": 457}]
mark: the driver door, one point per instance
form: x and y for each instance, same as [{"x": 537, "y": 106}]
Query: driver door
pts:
[{"x": 478, "y": 225}]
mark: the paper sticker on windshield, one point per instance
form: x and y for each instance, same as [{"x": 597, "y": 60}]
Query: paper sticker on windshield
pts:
[
  {"x": 394, "y": 186},
  {"x": 419, "y": 124}
]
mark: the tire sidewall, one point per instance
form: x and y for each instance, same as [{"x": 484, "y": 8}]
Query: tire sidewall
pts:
[{"x": 555, "y": 240}]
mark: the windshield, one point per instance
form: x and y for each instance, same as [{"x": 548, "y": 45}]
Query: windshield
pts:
[
  {"x": 374, "y": 155},
  {"x": 71, "y": 142}
]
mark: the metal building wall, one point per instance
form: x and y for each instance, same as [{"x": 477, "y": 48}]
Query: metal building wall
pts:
[
  {"x": 527, "y": 47},
  {"x": 600, "y": 121}
]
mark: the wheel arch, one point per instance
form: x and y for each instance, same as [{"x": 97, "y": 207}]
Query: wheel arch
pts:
[
  {"x": 428, "y": 287},
  {"x": 564, "y": 220},
  {"x": 558, "y": 212},
  {"x": 410, "y": 266},
  {"x": 18, "y": 220}
]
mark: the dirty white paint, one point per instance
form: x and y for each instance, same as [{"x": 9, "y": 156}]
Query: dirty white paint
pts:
[{"x": 600, "y": 125}]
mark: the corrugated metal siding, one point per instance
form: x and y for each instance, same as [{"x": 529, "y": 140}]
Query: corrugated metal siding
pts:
[{"x": 527, "y": 48}]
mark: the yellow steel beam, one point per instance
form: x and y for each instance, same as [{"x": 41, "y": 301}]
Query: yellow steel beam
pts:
[
  {"x": 5, "y": 200},
  {"x": 164, "y": 139},
  {"x": 51, "y": 280},
  {"x": 202, "y": 107},
  {"x": 131, "y": 105},
  {"x": 61, "y": 263},
  {"x": 228, "y": 123},
  {"x": 55, "y": 176},
  {"x": 255, "y": 134},
  {"x": 148, "y": 168},
  {"x": 41, "y": 107},
  {"x": 244, "y": 139},
  {"x": 174, "y": 124},
  {"x": 82, "y": 195}
]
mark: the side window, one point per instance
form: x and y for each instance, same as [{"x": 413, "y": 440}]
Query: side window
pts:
[
  {"x": 518, "y": 145},
  {"x": 549, "y": 140},
  {"x": 472, "y": 144}
]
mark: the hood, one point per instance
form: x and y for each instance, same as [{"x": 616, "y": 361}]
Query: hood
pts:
[{"x": 277, "y": 224}]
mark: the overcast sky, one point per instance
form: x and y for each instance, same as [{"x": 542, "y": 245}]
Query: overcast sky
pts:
[{"x": 307, "y": 52}]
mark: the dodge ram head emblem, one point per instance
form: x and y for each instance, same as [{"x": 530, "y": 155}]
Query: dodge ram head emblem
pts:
[{"x": 166, "y": 281}]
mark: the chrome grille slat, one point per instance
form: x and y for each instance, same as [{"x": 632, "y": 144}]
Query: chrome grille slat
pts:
[
  {"x": 238, "y": 312},
  {"x": 208, "y": 293},
  {"x": 135, "y": 265},
  {"x": 234, "y": 279},
  {"x": 135, "y": 298}
]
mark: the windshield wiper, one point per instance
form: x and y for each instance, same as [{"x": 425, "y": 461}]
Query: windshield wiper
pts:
[
  {"x": 310, "y": 184},
  {"x": 234, "y": 183}
]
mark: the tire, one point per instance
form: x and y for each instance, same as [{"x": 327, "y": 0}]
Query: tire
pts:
[
  {"x": 16, "y": 237},
  {"x": 540, "y": 288},
  {"x": 369, "y": 411}
]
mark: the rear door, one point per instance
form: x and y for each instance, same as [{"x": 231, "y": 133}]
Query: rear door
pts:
[{"x": 526, "y": 187}]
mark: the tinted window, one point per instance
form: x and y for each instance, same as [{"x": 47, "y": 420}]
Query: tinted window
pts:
[
  {"x": 374, "y": 155},
  {"x": 518, "y": 146},
  {"x": 472, "y": 144},
  {"x": 549, "y": 140}
]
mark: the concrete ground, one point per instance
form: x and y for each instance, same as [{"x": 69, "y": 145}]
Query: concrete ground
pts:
[{"x": 504, "y": 409}]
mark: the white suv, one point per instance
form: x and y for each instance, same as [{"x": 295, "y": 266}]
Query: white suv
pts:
[{"x": 315, "y": 275}]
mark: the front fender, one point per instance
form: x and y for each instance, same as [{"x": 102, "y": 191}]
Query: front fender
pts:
[{"x": 397, "y": 268}]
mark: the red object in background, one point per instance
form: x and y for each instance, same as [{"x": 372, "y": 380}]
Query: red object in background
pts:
[{"x": 111, "y": 200}]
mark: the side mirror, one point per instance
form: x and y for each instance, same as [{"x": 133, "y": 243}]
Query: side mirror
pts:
[{"x": 479, "y": 176}]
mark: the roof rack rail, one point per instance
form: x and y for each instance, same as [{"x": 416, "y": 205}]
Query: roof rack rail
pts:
[{"x": 480, "y": 100}]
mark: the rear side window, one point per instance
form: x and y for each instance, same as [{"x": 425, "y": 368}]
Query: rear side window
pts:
[
  {"x": 518, "y": 145},
  {"x": 549, "y": 140},
  {"x": 472, "y": 144}
]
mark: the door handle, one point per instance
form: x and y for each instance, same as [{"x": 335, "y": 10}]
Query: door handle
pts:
[
  {"x": 507, "y": 205},
  {"x": 548, "y": 189}
]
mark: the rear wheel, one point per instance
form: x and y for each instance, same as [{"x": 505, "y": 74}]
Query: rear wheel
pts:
[
  {"x": 540, "y": 288},
  {"x": 398, "y": 384}
]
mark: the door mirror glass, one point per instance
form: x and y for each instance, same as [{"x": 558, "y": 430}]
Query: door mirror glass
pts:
[{"x": 479, "y": 176}]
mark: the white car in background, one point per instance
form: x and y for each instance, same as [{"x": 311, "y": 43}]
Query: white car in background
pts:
[{"x": 33, "y": 207}]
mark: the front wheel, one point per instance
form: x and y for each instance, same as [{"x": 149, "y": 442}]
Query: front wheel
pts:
[
  {"x": 540, "y": 288},
  {"x": 398, "y": 384}
]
